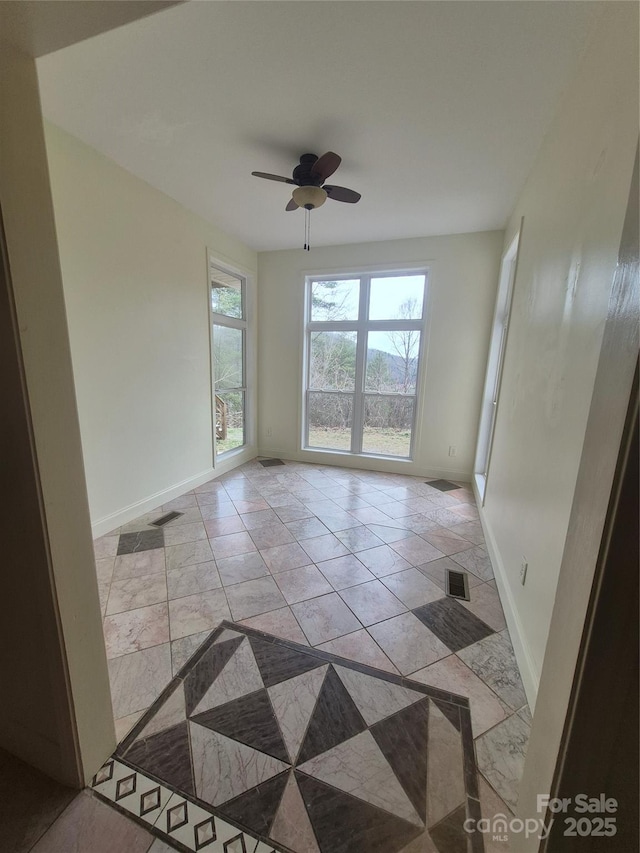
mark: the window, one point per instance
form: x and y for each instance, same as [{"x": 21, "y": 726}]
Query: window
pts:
[
  {"x": 228, "y": 351},
  {"x": 364, "y": 339}
]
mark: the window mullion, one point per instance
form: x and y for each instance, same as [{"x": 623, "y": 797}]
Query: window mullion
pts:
[{"x": 361, "y": 357}]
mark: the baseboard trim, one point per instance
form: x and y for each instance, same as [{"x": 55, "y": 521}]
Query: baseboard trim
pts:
[
  {"x": 366, "y": 463},
  {"x": 131, "y": 512},
  {"x": 528, "y": 671}
]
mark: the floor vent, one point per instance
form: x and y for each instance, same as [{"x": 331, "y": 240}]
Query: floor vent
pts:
[
  {"x": 165, "y": 519},
  {"x": 442, "y": 485},
  {"x": 269, "y": 463},
  {"x": 457, "y": 584}
]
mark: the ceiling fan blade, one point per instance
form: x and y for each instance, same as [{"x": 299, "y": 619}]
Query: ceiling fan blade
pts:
[
  {"x": 326, "y": 165},
  {"x": 342, "y": 194},
  {"x": 292, "y": 205},
  {"x": 273, "y": 177}
]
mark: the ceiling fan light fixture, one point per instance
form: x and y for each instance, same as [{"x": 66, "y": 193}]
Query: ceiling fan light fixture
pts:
[{"x": 309, "y": 197}]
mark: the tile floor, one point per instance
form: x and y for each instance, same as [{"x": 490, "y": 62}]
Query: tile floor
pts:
[
  {"x": 259, "y": 739},
  {"x": 350, "y": 562}
]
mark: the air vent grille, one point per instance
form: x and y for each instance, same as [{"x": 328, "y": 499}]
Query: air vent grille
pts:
[
  {"x": 165, "y": 519},
  {"x": 457, "y": 584}
]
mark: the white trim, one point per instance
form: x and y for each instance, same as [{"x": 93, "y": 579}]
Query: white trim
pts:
[
  {"x": 133, "y": 511},
  {"x": 366, "y": 462},
  {"x": 526, "y": 664}
]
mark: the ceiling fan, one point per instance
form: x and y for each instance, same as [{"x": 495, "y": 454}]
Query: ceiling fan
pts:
[{"x": 309, "y": 178}]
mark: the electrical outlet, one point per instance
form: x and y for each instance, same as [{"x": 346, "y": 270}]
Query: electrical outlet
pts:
[
  {"x": 523, "y": 571},
  {"x": 452, "y": 450},
  {"x": 269, "y": 431}
]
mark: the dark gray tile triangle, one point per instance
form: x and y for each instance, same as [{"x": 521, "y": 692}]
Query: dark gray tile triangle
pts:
[
  {"x": 250, "y": 720},
  {"x": 278, "y": 663},
  {"x": 403, "y": 740},
  {"x": 207, "y": 669},
  {"x": 345, "y": 824},
  {"x": 451, "y": 712},
  {"x": 257, "y": 808},
  {"x": 335, "y": 719},
  {"x": 449, "y": 835},
  {"x": 167, "y": 756},
  {"x": 452, "y": 623}
]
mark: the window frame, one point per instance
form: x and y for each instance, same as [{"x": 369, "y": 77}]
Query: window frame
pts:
[
  {"x": 242, "y": 324},
  {"x": 362, "y": 326}
]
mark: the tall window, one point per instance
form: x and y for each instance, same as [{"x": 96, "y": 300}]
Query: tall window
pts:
[
  {"x": 364, "y": 339},
  {"x": 228, "y": 349}
]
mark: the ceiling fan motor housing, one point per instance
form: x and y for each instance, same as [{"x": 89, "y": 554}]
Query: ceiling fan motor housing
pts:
[{"x": 302, "y": 174}]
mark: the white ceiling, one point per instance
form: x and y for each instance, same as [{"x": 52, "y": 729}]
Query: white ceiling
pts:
[{"x": 437, "y": 108}]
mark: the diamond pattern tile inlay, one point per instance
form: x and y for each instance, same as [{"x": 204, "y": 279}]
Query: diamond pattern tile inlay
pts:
[{"x": 299, "y": 748}]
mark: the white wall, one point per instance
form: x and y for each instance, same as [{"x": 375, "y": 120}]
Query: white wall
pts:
[
  {"x": 463, "y": 280},
  {"x": 573, "y": 205},
  {"x": 134, "y": 269}
]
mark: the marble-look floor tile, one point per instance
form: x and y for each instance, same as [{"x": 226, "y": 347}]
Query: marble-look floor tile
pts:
[
  {"x": 190, "y": 554},
  {"x": 437, "y": 570},
  {"x": 125, "y": 724},
  {"x": 525, "y": 714},
  {"x": 284, "y": 557},
  {"x": 485, "y": 604},
  {"x": 196, "y": 613},
  {"x": 307, "y": 528},
  {"x": 343, "y": 572},
  {"x": 446, "y": 791},
  {"x": 358, "y": 767},
  {"x": 242, "y": 567},
  {"x": 138, "y": 679},
  {"x": 372, "y": 602},
  {"x": 390, "y": 534},
  {"x": 244, "y": 506},
  {"x": 184, "y": 533},
  {"x": 301, "y": 584},
  {"x": 232, "y": 544},
  {"x": 375, "y": 698},
  {"x": 446, "y": 541},
  {"x": 476, "y": 560},
  {"x": 416, "y": 550},
  {"x": 251, "y": 598},
  {"x": 104, "y": 569},
  {"x": 193, "y": 579},
  {"x": 470, "y": 530},
  {"x": 105, "y": 546},
  {"x": 491, "y": 805},
  {"x": 181, "y": 503},
  {"x": 443, "y": 516},
  {"x": 131, "y": 593},
  {"x": 452, "y": 623},
  {"x": 223, "y": 526},
  {"x": 88, "y": 824},
  {"x": 325, "y": 618},
  {"x": 361, "y": 647},
  {"x": 408, "y": 643},
  {"x": 143, "y": 540},
  {"x": 372, "y": 515},
  {"x": 270, "y": 535},
  {"x": 281, "y": 623},
  {"x": 467, "y": 511},
  {"x": 222, "y": 509},
  {"x": 382, "y": 560},
  {"x": 501, "y": 753},
  {"x": 493, "y": 660},
  {"x": 359, "y": 539},
  {"x": 253, "y": 520},
  {"x": 412, "y": 587},
  {"x": 291, "y": 825},
  {"x": 293, "y": 512},
  {"x": 323, "y": 548},
  {"x": 139, "y": 564},
  {"x": 182, "y": 649},
  {"x": 135, "y": 630},
  {"x": 293, "y": 703},
  {"x": 189, "y": 515},
  {"x": 453, "y": 675}
]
